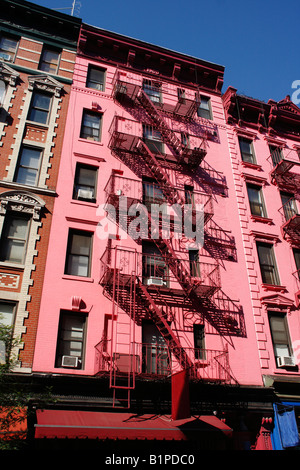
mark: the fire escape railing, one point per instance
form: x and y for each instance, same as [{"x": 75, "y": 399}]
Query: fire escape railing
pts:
[
  {"x": 125, "y": 134},
  {"x": 290, "y": 219},
  {"x": 151, "y": 359},
  {"x": 283, "y": 160},
  {"x": 148, "y": 193}
]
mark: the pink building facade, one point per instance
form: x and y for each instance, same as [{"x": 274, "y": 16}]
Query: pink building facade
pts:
[{"x": 124, "y": 311}]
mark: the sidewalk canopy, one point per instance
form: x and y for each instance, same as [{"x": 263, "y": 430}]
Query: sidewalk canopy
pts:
[{"x": 98, "y": 425}]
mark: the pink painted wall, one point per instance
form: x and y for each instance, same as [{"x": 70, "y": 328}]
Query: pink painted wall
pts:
[{"x": 59, "y": 288}]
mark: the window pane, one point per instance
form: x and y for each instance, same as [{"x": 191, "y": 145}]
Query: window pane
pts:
[
  {"x": 30, "y": 158},
  {"x": 18, "y": 229},
  {"x": 247, "y": 150},
  {"x": 7, "y": 311},
  {"x": 256, "y": 201},
  {"x": 90, "y": 126},
  {"x": 14, "y": 251},
  {"x": 8, "y": 45},
  {"x": 267, "y": 264},
  {"x": 78, "y": 256},
  {"x": 49, "y": 61},
  {"x": 96, "y": 78},
  {"x": 39, "y": 108},
  {"x": 27, "y": 172}
]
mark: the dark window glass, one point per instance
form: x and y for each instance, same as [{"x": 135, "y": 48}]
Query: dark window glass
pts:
[
  {"x": 96, "y": 78},
  {"x": 39, "y": 109},
  {"x": 14, "y": 239},
  {"x": 79, "y": 253},
  {"x": 91, "y": 125},
  {"x": 27, "y": 171},
  {"x": 247, "y": 150},
  {"x": 85, "y": 183},
  {"x": 267, "y": 264}
]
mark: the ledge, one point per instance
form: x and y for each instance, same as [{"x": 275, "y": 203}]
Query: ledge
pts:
[
  {"x": 254, "y": 166},
  {"x": 264, "y": 220},
  {"x": 273, "y": 287}
]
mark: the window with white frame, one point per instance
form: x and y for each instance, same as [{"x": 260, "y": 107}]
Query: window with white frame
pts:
[
  {"x": 71, "y": 340},
  {"x": 8, "y": 47},
  {"x": 281, "y": 339},
  {"x": 49, "y": 61},
  {"x": 14, "y": 238},
  {"x": 256, "y": 200},
  {"x": 204, "y": 108},
  {"x": 85, "y": 183},
  {"x": 28, "y": 166},
  {"x": 267, "y": 263},
  {"x": 79, "y": 250},
  {"x": 91, "y": 126},
  {"x": 247, "y": 150},
  {"x": 96, "y": 78},
  {"x": 40, "y": 107}
]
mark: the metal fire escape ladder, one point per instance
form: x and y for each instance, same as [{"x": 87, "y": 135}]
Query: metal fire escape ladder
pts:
[
  {"x": 159, "y": 122},
  {"x": 160, "y": 319}
]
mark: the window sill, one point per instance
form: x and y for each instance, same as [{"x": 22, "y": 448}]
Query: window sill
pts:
[
  {"x": 95, "y": 142},
  {"x": 264, "y": 220},
  {"x": 8, "y": 264},
  {"x": 84, "y": 203},
  {"x": 77, "y": 278},
  {"x": 254, "y": 166},
  {"x": 274, "y": 288}
]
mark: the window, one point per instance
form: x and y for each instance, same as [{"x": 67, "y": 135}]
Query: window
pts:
[
  {"x": 14, "y": 239},
  {"x": 289, "y": 205},
  {"x": 256, "y": 201},
  {"x": 296, "y": 253},
  {"x": 96, "y": 78},
  {"x": 71, "y": 339},
  {"x": 79, "y": 253},
  {"x": 8, "y": 47},
  {"x": 155, "y": 269},
  {"x": 276, "y": 154},
  {"x": 2, "y": 91},
  {"x": 204, "y": 108},
  {"x": 280, "y": 336},
  {"x": 267, "y": 263},
  {"x": 153, "y": 139},
  {"x": 7, "y": 313},
  {"x": 199, "y": 341},
  {"x": 27, "y": 171},
  {"x": 152, "y": 194},
  {"x": 40, "y": 107},
  {"x": 49, "y": 60},
  {"x": 247, "y": 150},
  {"x": 85, "y": 183},
  {"x": 153, "y": 91},
  {"x": 189, "y": 194},
  {"x": 181, "y": 95},
  {"x": 185, "y": 139},
  {"x": 90, "y": 126},
  {"x": 194, "y": 263}
]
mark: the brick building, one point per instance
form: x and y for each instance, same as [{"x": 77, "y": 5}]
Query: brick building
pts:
[
  {"x": 36, "y": 69},
  {"x": 125, "y": 312}
]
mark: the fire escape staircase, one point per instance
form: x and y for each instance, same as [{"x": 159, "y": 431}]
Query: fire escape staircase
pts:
[{"x": 167, "y": 134}]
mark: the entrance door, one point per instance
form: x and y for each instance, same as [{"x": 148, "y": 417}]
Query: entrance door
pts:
[{"x": 155, "y": 350}]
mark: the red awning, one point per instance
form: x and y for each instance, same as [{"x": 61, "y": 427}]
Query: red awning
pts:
[{"x": 98, "y": 425}]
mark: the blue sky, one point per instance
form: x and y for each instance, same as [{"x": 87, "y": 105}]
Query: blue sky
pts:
[{"x": 258, "y": 42}]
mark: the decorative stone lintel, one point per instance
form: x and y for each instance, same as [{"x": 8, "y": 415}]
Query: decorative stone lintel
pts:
[{"x": 21, "y": 201}]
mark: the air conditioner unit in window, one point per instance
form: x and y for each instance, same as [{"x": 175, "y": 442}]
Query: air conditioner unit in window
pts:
[
  {"x": 155, "y": 281},
  {"x": 5, "y": 56},
  {"x": 119, "y": 192},
  {"x": 285, "y": 361},
  {"x": 70, "y": 361},
  {"x": 85, "y": 193}
]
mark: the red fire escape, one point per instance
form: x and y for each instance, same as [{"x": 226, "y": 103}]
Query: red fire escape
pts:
[{"x": 122, "y": 279}]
